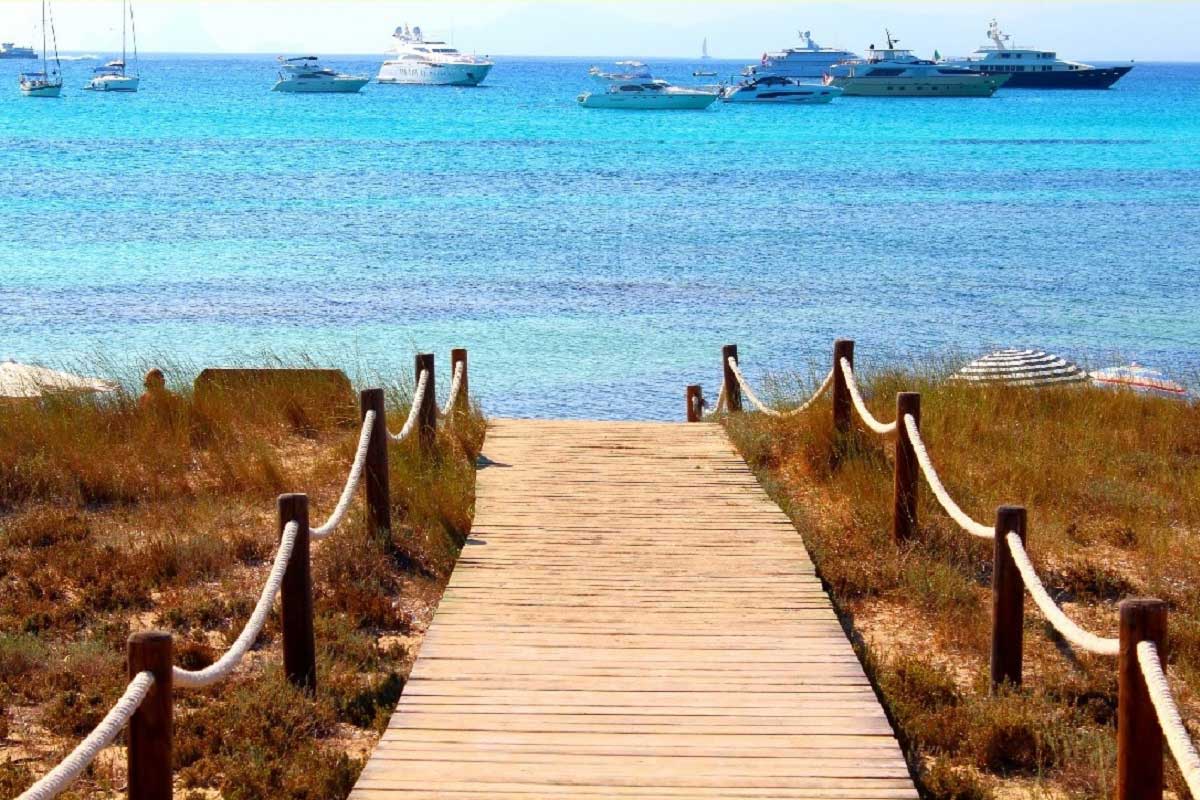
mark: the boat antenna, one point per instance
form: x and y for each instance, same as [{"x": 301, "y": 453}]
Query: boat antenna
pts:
[{"x": 891, "y": 42}]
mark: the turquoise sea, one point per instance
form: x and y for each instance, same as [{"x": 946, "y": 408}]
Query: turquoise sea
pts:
[{"x": 593, "y": 261}]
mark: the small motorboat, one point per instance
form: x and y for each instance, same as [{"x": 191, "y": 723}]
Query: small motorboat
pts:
[
  {"x": 703, "y": 73},
  {"x": 305, "y": 75},
  {"x": 774, "y": 89},
  {"x": 629, "y": 71},
  {"x": 648, "y": 95},
  {"x": 1138, "y": 378}
]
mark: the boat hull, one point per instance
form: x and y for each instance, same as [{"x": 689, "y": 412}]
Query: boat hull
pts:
[
  {"x": 692, "y": 101},
  {"x": 796, "y": 95},
  {"x": 52, "y": 90},
  {"x": 113, "y": 83},
  {"x": 416, "y": 73},
  {"x": 1095, "y": 78},
  {"x": 929, "y": 86},
  {"x": 331, "y": 86}
]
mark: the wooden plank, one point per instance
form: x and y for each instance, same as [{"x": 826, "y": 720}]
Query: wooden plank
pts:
[{"x": 632, "y": 617}]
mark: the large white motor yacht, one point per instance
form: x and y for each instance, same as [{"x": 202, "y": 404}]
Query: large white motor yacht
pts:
[
  {"x": 644, "y": 95},
  {"x": 771, "y": 89},
  {"x": 422, "y": 61},
  {"x": 304, "y": 74},
  {"x": 809, "y": 60},
  {"x": 1028, "y": 68},
  {"x": 893, "y": 72},
  {"x": 626, "y": 72}
]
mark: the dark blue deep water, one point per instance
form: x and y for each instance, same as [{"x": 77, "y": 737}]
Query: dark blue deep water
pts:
[{"x": 593, "y": 261}]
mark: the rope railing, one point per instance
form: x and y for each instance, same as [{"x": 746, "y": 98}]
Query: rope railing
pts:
[
  {"x": 1146, "y": 706},
  {"x": 55, "y": 782},
  {"x": 882, "y": 428},
  {"x": 1167, "y": 711},
  {"x": 460, "y": 369},
  {"x": 1069, "y": 629},
  {"x": 222, "y": 667},
  {"x": 414, "y": 411},
  {"x": 289, "y": 576},
  {"x": 748, "y": 391},
  {"x": 939, "y": 489},
  {"x": 356, "y": 470}
]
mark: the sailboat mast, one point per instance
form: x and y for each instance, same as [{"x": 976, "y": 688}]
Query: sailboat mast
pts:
[{"x": 124, "y": 25}]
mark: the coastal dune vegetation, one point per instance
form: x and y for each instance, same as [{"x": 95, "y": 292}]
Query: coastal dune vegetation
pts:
[
  {"x": 1111, "y": 481},
  {"x": 119, "y": 515}
]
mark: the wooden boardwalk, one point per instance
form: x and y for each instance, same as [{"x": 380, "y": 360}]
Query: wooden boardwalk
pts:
[{"x": 632, "y": 617}]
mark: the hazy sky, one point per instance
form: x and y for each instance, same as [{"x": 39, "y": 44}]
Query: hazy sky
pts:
[{"x": 1085, "y": 30}]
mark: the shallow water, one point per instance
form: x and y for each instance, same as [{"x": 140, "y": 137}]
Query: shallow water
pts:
[{"x": 593, "y": 261}]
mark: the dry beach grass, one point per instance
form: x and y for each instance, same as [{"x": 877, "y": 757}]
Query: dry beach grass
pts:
[
  {"x": 116, "y": 517},
  {"x": 1112, "y": 484}
]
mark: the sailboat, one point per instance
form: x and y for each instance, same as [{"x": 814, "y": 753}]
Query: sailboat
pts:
[
  {"x": 704, "y": 56},
  {"x": 113, "y": 77},
  {"x": 47, "y": 83}
]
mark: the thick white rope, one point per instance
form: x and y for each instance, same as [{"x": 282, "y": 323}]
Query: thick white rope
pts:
[
  {"x": 356, "y": 470},
  {"x": 455, "y": 388},
  {"x": 1050, "y": 610},
  {"x": 720, "y": 406},
  {"x": 764, "y": 408},
  {"x": 1168, "y": 716},
  {"x": 410, "y": 424},
  {"x": 58, "y": 779},
  {"x": 939, "y": 491},
  {"x": 882, "y": 428},
  {"x": 225, "y": 664}
]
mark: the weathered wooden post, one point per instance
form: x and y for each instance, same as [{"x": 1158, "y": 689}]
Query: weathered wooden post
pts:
[
  {"x": 1139, "y": 736},
  {"x": 427, "y": 403},
  {"x": 733, "y": 390},
  {"x": 842, "y": 407},
  {"x": 296, "y": 605},
  {"x": 151, "y": 728},
  {"x": 462, "y": 403},
  {"x": 1008, "y": 600},
  {"x": 376, "y": 488},
  {"x": 695, "y": 403},
  {"x": 904, "y": 494}
]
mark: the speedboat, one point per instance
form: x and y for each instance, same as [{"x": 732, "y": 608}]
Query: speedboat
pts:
[
  {"x": 305, "y": 74},
  {"x": 893, "y": 72},
  {"x": 429, "y": 62},
  {"x": 655, "y": 94},
  {"x": 809, "y": 60},
  {"x": 629, "y": 71},
  {"x": 1028, "y": 68},
  {"x": 771, "y": 89},
  {"x": 112, "y": 78},
  {"x": 48, "y": 82},
  {"x": 703, "y": 73}
]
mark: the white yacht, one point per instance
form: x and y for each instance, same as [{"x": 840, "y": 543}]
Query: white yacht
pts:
[
  {"x": 304, "y": 74},
  {"x": 809, "y": 60},
  {"x": 771, "y": 89},
  {"x": 893, "y": 72},
  {"x": 627, "y": 71},
  {"x": 48, "y": 82},
  {"x": 113, "y": 76},
  {"x": 1029, "y": 68},
  {"x": 646, "y": 95},
  {"x": 423, "y": 61}
]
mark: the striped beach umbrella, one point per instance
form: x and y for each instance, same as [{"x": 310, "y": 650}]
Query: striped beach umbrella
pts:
[
  {"x": 1021, "y": 368},
  {"x": 27, "y": 380},
  {"x": 1141, "y": 379}
]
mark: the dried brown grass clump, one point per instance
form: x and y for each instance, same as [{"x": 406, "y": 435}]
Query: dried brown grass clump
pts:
[
  {"x": 1112, "y": 484},
  {"x": 117, "y": 516}
]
